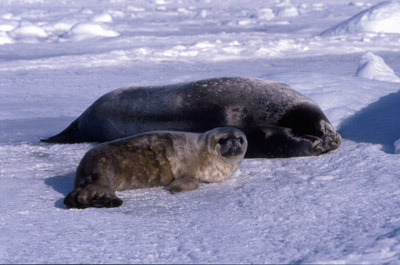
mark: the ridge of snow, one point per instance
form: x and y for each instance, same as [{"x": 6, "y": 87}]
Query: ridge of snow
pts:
[{"x": 381, "y": 18}]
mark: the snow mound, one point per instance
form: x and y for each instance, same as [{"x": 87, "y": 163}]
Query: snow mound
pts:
[
  {"x": 397, "y": 147},
  {"x": 6, "y": 26},
  {"x": 28, "y": 32},
  {"x": 373, "y": 67},
  {"x": 5, "y": 39},
  {"x": 104, "y": 18},
  {"x": 287, "y": 11},
  {"x": 381, "y": 18},
  {"x": 83, "y": 31},
  {"x": 265, "y": 14}
]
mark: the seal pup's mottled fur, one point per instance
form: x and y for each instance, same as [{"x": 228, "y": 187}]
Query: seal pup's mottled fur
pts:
[{"x": 178, "y": 160}]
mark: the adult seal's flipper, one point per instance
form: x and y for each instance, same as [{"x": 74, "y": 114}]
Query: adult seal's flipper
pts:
[{"x": 70, "y": 135}]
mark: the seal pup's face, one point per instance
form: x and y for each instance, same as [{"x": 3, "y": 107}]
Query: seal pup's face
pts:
[{"x": 228, "y": 142}]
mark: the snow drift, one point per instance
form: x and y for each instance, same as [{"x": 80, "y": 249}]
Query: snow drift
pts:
[{"x": 381, "y": 18}]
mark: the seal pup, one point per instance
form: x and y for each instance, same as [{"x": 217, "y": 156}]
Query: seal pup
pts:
[
  {"x": 277, "y": 120},
  {"x": 178, "y": 160}
]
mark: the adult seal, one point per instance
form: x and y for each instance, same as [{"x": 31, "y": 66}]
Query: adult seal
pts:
[
  {"x": 277, "y": 120},
  {"x": 178, "y": 160}
]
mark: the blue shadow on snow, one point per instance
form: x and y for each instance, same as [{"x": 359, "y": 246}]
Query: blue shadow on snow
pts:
[
  {"x": 378, "y": 123},
  {"x": 62, "y": 184}
]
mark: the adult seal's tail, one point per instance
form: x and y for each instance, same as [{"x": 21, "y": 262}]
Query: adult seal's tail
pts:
[
  {"x": 277, "y": 120},
  {"x": 70, "y": 135},
  {"x": 178, "y": 160}
]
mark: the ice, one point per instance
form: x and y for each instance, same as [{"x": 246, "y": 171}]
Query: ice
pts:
[
  {"x": 372, "y": 66},
  {"x": 58, "y": 57}
]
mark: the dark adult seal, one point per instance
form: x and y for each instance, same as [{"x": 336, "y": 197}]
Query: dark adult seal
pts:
[
  {"x": 178, "y": 160},
  {"x": 277, "y": 120}
]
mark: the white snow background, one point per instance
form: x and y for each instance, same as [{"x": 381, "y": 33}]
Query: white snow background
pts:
[{"x": 58, "y": 57}]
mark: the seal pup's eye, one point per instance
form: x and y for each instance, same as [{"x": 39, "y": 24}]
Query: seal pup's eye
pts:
[{"x": 222, "y": 141}]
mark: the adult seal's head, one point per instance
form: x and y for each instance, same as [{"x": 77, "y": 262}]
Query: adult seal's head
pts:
[
  {"x": 178, "y": 160},
  {"x": 277, "y": 120}
]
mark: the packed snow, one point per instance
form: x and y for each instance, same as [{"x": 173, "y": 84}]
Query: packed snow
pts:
[{"x": 58, "y": 57}]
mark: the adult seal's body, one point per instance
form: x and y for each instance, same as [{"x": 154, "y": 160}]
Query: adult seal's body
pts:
[
  {"x": 179, "y": 160},
  {"x": 278, "y": 121}
]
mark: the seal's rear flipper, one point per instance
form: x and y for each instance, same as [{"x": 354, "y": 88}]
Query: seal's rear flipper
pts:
[
  {"x": 70, "y": 200},
  {"x": 68, "y": 136},
  {"x": 106, "y": 202},
  {"x": 92, "y": 195}
]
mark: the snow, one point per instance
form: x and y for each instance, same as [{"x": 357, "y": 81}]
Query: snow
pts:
[
  {"x": 83, "y": 31},
  {"x": 381, "y": 18},
  {"x": 372, "y": 66},
  {"x": 397, "y": 146},
  {"x": 28, "y": 31},
  {"x": 341, "y": 207},
  {"x": 105, "y": 18},
  {"x": 266, "y": 13},
  {"x": 5, "y": 39},
  {"x": 287, "y": 11}
]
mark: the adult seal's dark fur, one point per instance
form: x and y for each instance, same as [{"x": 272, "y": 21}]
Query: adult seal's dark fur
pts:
[
  {"x": 179, "y": 160},
  {"x": 278, "y": 121}
]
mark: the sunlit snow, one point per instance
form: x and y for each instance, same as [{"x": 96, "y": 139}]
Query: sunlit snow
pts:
[
  {"x": 374, "y": 67},
  {"x": 381, "y": 18}
]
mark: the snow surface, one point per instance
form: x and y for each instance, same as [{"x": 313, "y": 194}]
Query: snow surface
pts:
[
  {"x": 397, "y": 147},
  {"x": 57, "y": 57}
]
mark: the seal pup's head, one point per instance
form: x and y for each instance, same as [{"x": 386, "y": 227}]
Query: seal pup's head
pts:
[
  {"x": 224, "y": 149},
  {"x": 228, "y": 143}
]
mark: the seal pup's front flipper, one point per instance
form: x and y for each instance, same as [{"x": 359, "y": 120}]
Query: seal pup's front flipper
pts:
[{"x": 183, "y": 184}]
